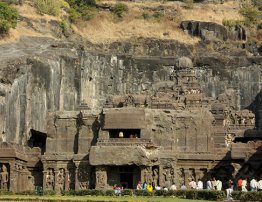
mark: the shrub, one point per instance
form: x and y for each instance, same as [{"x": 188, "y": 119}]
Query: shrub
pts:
[
  {"x": 49, "y": 193},
  {"x": 250, "y": 13},
  {"x": 110, "y": 193},
  {"x": 146, "y": 16},
  {"x": 127, "y": 192},
  {"x": 158, "y": 15},
  {"x": 27, "y": 193},
  {"x": 50, "y": 7},
  {"x": 142, "y": 193},
  {"x": 81, "y": 10},
  {"x": 232, "y": 23},
  {"x": 8, "y": 18},
  {"x": 65, "y": 28},
  {"x": 119, "y": 9}
]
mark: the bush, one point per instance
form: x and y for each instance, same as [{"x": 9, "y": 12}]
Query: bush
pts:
[
  {"x": 30, "y": 193},
  {"x": 81, "y": 10},
  {"x": 250, "y": 13},
  {"x": 232, "y": 23},
  {"x": 65, "y": 28},
  {"x": 127, "y": 192},
  {"x": 158, "y": 15},
  {"x": 142, "y": 193},
  {"x": 50, "y": 7},
  {"x": 49, "y": 193},
  {"x": 8, "y": 18},
  {"x": 110, "y": 193},
  {"x": 119, "y": 9}
]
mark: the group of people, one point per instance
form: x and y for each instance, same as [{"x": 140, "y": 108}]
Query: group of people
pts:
[{"x": 253, "y": 185}]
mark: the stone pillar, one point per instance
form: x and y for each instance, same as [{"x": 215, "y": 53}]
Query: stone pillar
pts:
[
  {"x": 44, "y": 179},
  {"x": 67, "y": 180},
  {"x": 13, "y": 179},
  {"x": 186, "y": 170},
  {"x": 101, "y": 177},
  {"x": 161, "y": 177},
  {"x": 76, "y": 178},
  {"x": 56, "y": 188}
]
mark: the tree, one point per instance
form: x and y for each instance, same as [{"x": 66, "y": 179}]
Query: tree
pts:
[{"x": 8, "y": 18}]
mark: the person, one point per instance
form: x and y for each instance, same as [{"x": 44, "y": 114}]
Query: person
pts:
[
  {"x": 209, "y": 185},
  {"x": 121, "y": 134},
  {"x": 239, "y": 184},
  {"x": 219, "y": 185},
  {"x": 149, "y": 187},
  {"x": 173, "y": 187},
  {"x": 244, "y": 185},
  {"x": 253, "y": 184},
  {"x": 139, "y": 186},
  {"x": 157, "y": 187},
  {"x": 229, "y": 189},
  {"x": 192, "y": 184},
  {"x": 165, "y": 189},
  {"x": 144, "y": 186},
  {"x": 199, "y": 184},
  {"x": 259, "y": 185},
  {"x": 214, "y": 183},
  {"x": 183, "y": 187},
  {"x": 117, "y": 189}
]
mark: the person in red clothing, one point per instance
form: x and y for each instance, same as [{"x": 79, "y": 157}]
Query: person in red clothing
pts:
[{"x": 239, "y": 184}]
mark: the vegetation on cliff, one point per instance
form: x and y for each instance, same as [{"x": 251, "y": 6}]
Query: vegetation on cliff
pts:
[{"x": 8, "y": 18}]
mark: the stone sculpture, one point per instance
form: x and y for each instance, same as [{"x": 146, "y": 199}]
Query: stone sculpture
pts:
[
  {"x": 4, "y": 176},
  {"x": 50, "y": 179},
  {"x": 61, "y": 179}
]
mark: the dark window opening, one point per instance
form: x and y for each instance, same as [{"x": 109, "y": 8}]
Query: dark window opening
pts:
[
  {"x": 37, "y": 139},
  {"x": 124, "y": 133}
]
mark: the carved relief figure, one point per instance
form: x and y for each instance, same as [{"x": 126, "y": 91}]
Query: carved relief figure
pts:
[
  {"x": 168, "y": 177},
  {"x": 50, "y": 179},
  {"x": 155, "y": 176},
  {"x": 31, "y": 182},
  {"x": 4, "y": 176},
  {"x": 101, "y": 177},
  {"x": 61, "y": 179}
]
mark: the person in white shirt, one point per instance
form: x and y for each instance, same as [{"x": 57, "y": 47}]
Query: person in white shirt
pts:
[
  {"x": 259, "y": 185},
  {"x": 253, "y": 185},
  {"x": 192, "y": 184},
  {"x": 244, "y": 185},
  {"x": 219, "y": 185},
  {"x": 209, "y": 185},
  {"x": 199, "y": 184},
  {"x": 173, "y": 187}
]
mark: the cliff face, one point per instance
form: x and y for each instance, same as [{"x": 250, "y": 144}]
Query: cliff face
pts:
[{"x": 39, "y": 75}]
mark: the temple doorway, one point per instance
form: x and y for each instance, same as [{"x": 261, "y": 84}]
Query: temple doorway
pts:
[
  {"x": 37, "y": 139},
  {"x": 124, "y": 176}
]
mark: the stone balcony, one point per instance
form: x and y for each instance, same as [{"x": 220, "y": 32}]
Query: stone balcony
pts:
[{"x": 123, "y": 142}]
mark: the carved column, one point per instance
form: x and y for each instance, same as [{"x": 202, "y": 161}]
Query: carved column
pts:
[
  {"x": 44, "y": 179},
  {"x": 161, "y": 177},
  {"x": 56, "y": 188},
  {"x": 67, "y": 180},
  {"x": 186, "y": 176},
  {"x": 76, "y": 178}
]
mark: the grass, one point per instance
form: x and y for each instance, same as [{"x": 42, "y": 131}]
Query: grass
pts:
[{"x": 96, "y": 198}]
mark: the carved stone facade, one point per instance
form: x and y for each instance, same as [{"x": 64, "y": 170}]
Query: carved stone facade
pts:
[{"x": 170, "y": 135}]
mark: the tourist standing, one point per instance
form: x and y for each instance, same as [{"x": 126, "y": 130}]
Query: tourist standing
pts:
[
  {"x": 239, "y": 184},
  {"x": 139, "y": 186},
  {"x": 214, "y": 183},
  {"x": 244, "y": 185},
  {"x": 209, "y": 185},
  {"x": 199, "y": 184},
  {"x": 253, "y": 184},
  {"x": 259, "y": 185},
  {"x": 219, "y": 185},
  {"x": 173, "y": 187},
  {"x": 192, "y": 184},
  {"x": 229, "y": 189}
]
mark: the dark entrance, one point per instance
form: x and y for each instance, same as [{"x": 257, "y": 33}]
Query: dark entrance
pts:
[
  {"x": 124, "y": 176},
  {"x": 37, "y": 139}
]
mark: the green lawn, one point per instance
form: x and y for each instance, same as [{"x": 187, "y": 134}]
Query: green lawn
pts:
[{"x": 97, "y": 198}]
